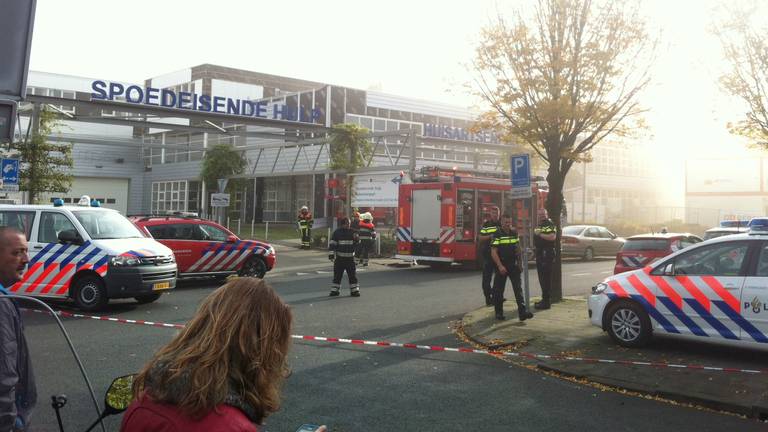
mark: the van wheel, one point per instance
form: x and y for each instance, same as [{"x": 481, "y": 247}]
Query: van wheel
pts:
[
  {"x": 628, "y": 324},
  {"x": 147, "y": 298},
  {"x": 254, "y": 267},
  {"x": 90, "y": 293}
]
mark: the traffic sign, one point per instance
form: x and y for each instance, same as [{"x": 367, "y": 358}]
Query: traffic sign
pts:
[
  {"x": 220, "y": 200},
  {"x": 520, "y": 165},
  {"x": 10, "y": 175}
]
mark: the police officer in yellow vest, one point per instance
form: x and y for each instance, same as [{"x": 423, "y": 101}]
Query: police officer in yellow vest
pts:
[
  {"x": 505, "y": 251},
  {"x": 490, "y": 226}
]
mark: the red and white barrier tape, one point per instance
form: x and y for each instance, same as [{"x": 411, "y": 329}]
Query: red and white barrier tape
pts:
[{"x": 518, "y": 354}]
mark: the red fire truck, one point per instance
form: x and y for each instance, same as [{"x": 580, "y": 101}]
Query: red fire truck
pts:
[{"x": 441, "y": 212}]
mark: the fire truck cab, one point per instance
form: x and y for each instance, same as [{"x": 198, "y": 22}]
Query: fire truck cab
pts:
[{"x": 441, "y": 213}]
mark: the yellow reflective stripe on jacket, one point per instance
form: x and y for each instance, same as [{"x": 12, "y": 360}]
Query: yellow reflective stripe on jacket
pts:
[
  {"x": 489, "y": 230},
  {"x": 499, "y": 241}
]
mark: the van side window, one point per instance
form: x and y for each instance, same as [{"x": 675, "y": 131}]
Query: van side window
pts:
[
  {"x": 51, "y": 224},
  {"x": 21, "y": 220}
]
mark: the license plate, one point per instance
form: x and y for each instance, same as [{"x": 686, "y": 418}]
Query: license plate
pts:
[{"x": 161, "y": 286}]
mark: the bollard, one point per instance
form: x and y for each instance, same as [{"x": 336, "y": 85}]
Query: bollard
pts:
[
  {"x": 378, "y": 245},
  {"x": 266, "y": 231},
  {"x": 228, "y": 222},
  {"x": 252, "y": 226},
  {"x": 328, "y": 239},
  {"x": 238, "y": 227}
]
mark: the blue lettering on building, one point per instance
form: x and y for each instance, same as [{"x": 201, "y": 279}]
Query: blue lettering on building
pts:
[
  {"x": 103, "y": 90},
  {"x": 458, "y": 134}
]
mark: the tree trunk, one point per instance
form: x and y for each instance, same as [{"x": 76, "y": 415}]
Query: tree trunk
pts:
[
  {"x": 554, "y": 208},
  {"x": 32, "y": 181}
]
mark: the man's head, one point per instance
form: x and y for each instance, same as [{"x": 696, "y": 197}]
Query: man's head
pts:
[
  {"x": 344, "y": 222},
  {"x": 304, "y": 210},
  {"x": 506, "y": 221},
  {"x": 542, "y": 215},
  {"x": 13, "y": 256}
]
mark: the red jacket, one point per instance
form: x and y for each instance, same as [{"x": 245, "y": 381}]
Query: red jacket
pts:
[{"x": 145, "y": 415}]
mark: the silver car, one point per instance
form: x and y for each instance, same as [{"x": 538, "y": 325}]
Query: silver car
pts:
[{"x": 589, "y": 241}]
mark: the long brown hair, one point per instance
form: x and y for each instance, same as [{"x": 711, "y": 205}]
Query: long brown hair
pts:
[{"x": 237, "y": 342}]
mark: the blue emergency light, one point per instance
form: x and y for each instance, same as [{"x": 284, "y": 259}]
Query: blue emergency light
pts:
[
  {"x": 758, "y": 225},
  {"x": 58, "y": 202}
]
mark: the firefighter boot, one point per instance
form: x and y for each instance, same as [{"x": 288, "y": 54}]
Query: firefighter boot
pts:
[
  {"x": 334, "y": 291},
  {"x": 354, "y": 291}
]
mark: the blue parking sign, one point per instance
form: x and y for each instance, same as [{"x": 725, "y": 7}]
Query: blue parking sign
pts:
[
  {"x": 520, "y": 165},
  {"x": 10, "y": 171}
]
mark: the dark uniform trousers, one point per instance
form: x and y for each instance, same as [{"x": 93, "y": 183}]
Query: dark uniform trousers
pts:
[
  {"x": 366, "y": 245},
  {"x": 341, "y": 265},
  {"x": 499, "y": 283},
  {"x": 545, "y": 259}
]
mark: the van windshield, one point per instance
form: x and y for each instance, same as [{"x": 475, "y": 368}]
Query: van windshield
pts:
[{"x": 102, "y": 225}]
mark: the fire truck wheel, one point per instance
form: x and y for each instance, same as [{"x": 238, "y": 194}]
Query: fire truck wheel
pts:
[
  {"x": 90, "y": 293},
  {"x": 148, "y": 298},
  {"x": 254, "y": 267}
]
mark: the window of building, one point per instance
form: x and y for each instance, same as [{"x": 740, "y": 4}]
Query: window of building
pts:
[{"x": 169, "y": 196}]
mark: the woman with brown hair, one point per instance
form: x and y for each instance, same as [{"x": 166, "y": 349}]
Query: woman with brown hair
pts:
[{"x": 223, "y": 372}]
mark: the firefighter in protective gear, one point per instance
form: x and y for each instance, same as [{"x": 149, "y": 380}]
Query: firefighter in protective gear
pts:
[
  {"x": 341, "y": 250},
  {"x": 490, "y": 226},
  {"x": 505, "y": 251},
  {"x": 367, "y": 233},
  {"x": 544, "y": 243},
  {"x": 305, "y": 227}
]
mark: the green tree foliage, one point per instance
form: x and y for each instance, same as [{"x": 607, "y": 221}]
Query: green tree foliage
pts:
[
  {"x": 560, "y": 79},
  {"x": 222, "y": 161},
  {"x": 745, "y": 47},
  {"x": 45, "y": 166},
  {"x": 350, "y": 147}
]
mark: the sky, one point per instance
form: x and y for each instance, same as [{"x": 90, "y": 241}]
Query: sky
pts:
[{"x": 412, "y": 48}]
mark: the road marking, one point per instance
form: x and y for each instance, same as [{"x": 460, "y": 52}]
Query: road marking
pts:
[
  {"x": 606, "y": 272},
  {"x": 581, "y": 274},
  {"x": 322, "y": 272},
  {"x": 301, "y": 274}
]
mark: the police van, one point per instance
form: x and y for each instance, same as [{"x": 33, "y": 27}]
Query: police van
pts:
[
  {"x": 716, "y": 290},
  {"x": 88, "y": 254}
]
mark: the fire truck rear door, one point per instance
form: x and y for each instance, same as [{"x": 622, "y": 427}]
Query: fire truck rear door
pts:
[{"x": 426, "y": 214}]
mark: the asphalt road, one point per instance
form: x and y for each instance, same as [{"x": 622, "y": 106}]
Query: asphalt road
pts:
[{"x": 362, "y": 388}]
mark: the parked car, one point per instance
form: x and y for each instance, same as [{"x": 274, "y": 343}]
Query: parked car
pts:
[
  {"x": 712, "y": 291},
  {"x": 88, "y": 254},
  {"x": 205, "y": 248},
  {"x": 589, "y": 241},
  {"x": 720, "y": 231},
  {"x": 644, "y": 249}
]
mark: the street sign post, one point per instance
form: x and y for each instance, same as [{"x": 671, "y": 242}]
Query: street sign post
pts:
[
  {"x": 520, "y": 166},
  {"x": 10, "y": 175}
]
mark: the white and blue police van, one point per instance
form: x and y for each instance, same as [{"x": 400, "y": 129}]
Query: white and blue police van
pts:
[
  {"x": 88, "y": 254},
  {"x": 716, "y": 291}
]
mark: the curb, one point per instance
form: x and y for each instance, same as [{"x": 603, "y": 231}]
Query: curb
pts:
[{"x": 757, "y": 412}]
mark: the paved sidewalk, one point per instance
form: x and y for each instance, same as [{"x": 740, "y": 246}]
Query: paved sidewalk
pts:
[{"x": 565, "y": 330}]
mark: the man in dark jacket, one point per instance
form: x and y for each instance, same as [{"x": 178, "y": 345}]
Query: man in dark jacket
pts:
[
  {"x": 341, "y": 250},
  {"x": 489, "y": 229},
  {"x": 18, "y": 394},
  {"x": 544, "y": 242}
]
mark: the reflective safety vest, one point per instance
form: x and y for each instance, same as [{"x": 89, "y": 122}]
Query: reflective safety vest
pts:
[
  {"x": 506, "y": 244},
  {"x": 343, "y": 243},
  {"x": 367, "y": 231},
  {"x": 306, "y": 221}
]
